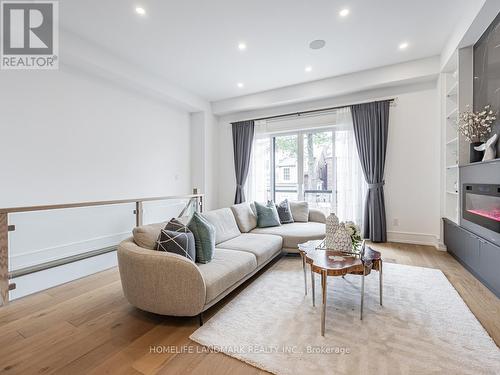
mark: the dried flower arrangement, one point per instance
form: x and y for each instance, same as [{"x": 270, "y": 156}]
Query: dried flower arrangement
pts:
[{"x": 476, "y": 126}]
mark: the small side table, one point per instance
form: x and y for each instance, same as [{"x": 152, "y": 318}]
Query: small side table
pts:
[{"x": 335, "y": 263}]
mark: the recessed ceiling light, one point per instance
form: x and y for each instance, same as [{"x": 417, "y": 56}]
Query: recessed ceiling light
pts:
[
  {"x": 403, "y": 45},
  {"x": 242, "y": 46},
  {"x": 240, "y": 85},
  {"x": 344, "y": 12},
  {"x": 308, "y": 69},
  {"x": 317, "y": 44},
  {"x": 140, "y": 10}
]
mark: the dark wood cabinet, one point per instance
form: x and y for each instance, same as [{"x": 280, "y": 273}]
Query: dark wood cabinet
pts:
[
  {"x": 489, "y": 265},
  {"x": 462, "y": 244},
  {"x": 471, "y": 250},
  {"x": 452, "y": 238},
  {"x": 480, "y": 257}
]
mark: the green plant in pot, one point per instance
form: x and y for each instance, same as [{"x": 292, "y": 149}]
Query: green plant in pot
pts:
[{"x": 475, "y": 127}]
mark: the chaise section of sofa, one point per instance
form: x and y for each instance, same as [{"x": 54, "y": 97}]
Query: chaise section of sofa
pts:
[
  {"x": 294, "y": 234},
  {"x": 263, "y": 246},
  {"x": 169, "y": 284}
]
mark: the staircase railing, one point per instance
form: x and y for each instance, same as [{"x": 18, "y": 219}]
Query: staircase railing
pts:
[{"x": 5, "y": 228}]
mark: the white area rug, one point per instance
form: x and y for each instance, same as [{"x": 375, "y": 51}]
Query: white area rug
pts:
[{"x": 424, "y": 326}]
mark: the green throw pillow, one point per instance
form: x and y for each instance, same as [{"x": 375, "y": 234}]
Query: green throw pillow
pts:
[
  {"x": 204, "y": 238},
  {"x": 267, "y": 216}
]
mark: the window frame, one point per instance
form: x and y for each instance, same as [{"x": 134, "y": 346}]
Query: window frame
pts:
[{"x": 300, "y": 159}]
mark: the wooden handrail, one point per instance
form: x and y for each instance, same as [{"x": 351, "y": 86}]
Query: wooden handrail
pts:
[
  {"x": 94, "y": 203},
  {"x": 5, "y": 228}
]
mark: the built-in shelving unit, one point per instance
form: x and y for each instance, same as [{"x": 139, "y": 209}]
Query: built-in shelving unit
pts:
[
  {"x": 452, "y": 115},
  {"x": 456, "y": 89},
  {"x": 450, "y": 80},
  {"x": 453, "y": 91},
  {"x": 452, "y": 142}
]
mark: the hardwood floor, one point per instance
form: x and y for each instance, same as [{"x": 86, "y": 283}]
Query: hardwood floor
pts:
[{"x": 87, "y": 326}]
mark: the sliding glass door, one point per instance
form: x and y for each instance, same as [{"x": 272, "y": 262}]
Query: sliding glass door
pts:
[
  {"x": 286, "y": 163},
  {"x": 304, "y": 167},
  {"x": 319, "y": 166},
  {"x": 319, "y": 173}
]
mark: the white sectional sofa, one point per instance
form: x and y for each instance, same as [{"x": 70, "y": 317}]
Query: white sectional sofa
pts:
[{"x": 170, "y": 284}]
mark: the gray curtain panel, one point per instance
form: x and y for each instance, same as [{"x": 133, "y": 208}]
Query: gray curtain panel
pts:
[
  {"x": 371, "y": 124},
  {"x": 242, "y": 146}
]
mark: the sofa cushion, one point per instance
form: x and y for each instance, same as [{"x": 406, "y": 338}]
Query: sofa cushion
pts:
[
  {"x": 300, "y": 211},
  {"x": 204, "y": 236},
  {"x": 245, "y": 217},
  {"x": 226, "y": 269},
  {"x": 146, "y": 235},
  {"x": 263, "y": 246},
  {"x": 295, "y": 233},
  {"x": 267, "y": 216},
  {"x": 317, "y": 215},
  {"x": 181, "y": 243},
  {"x": 224, "y": 222},
  {"x": 284, "y": 212}
]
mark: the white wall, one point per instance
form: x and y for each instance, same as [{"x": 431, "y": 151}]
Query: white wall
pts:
[
  {"x": 413, "y": 158},
  {"x": 211, "y": 160},
  {"x": 68, "y": 136},
  {"x": 412, "y": 172},
  {"x": 204, "y": 156}
]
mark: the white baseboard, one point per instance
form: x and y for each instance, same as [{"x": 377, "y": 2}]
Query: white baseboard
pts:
[
  {"x": 416, "y": 239},
  {"x": 441, "y": 246}
]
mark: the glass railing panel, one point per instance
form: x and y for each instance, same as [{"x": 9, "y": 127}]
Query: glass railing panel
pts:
[
  {"x": 164, "y": 210},
  {"x": 43, "y": 236}
]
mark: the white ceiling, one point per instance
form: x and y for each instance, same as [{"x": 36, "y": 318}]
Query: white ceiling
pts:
[{"x": 193, "y": 43}]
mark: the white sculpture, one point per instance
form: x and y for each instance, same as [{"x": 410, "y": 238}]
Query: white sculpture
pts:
[
  {"x": 488, "y": 147},
  {"x": 332, "y": 224}
]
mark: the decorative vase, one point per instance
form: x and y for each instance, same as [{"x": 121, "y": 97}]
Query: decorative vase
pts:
[
  {"x": 474, "y": 155},
  {"x": 332, "y": 224},
  {"x": 341, "y": 240}
]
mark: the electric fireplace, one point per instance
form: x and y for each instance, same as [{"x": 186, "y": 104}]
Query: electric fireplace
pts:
[{"x": 481, "y": 205}]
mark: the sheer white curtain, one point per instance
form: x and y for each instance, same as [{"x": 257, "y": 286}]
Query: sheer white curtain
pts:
[
  {"x": 258, "y": 187},
  {"x": 351, "y": 186}
]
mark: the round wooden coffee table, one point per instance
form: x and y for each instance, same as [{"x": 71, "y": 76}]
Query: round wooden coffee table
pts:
[{"x": 336, "y": 263}]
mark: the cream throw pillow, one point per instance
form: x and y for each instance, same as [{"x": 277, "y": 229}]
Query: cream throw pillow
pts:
[
  {"x": 245, "y": 217},
  {"x": 300, "y": 211}
]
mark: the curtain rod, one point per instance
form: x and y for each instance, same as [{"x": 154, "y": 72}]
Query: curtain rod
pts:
[{"x": 318, "y": 110}]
